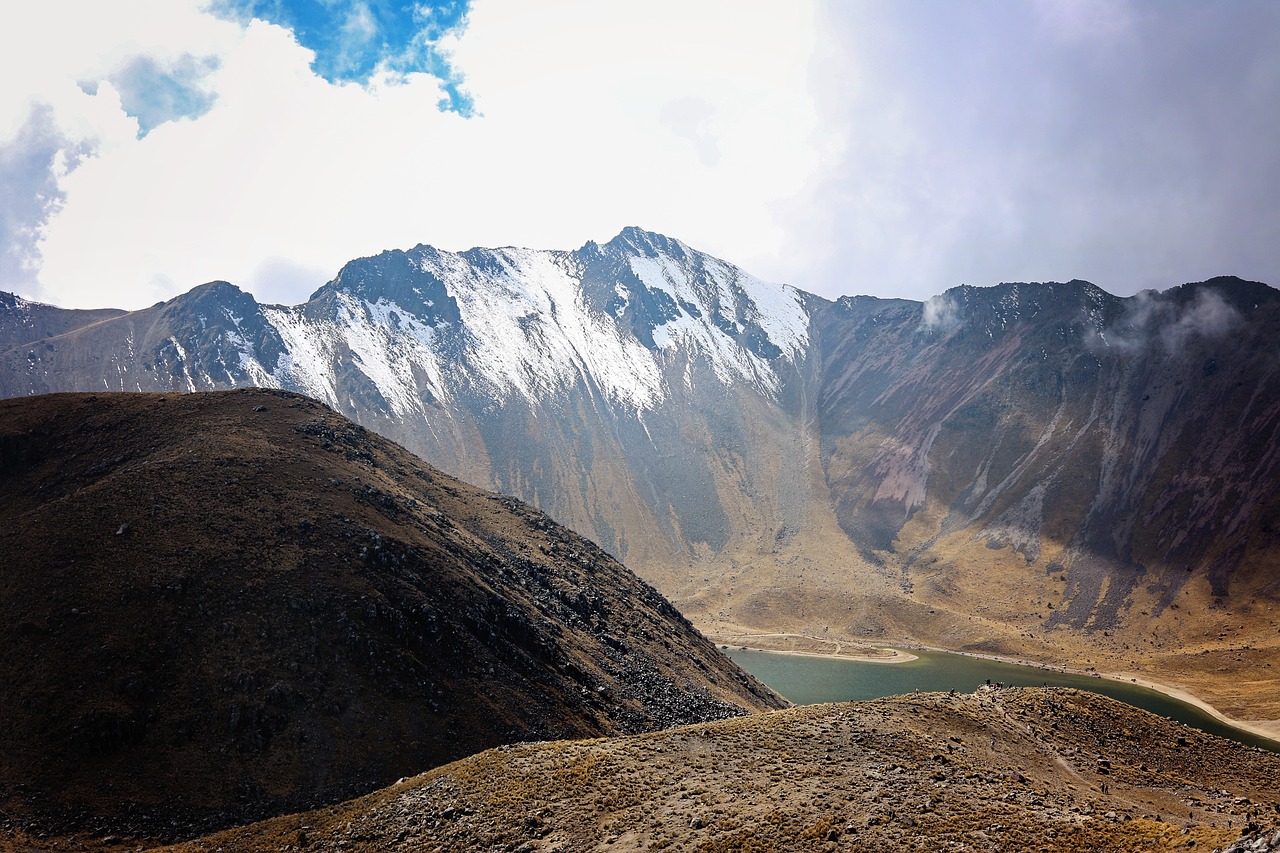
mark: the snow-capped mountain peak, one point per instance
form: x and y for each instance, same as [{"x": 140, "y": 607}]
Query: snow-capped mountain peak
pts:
[{"x": 427, "y": 324}]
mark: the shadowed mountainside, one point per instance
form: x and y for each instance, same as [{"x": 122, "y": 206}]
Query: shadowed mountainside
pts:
[{"x": 220, "y": 606}]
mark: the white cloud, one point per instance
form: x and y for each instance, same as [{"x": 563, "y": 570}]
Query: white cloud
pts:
[
  {"x": 1208, "y": 316},
  {"x": 1084, "y": 20},
  {"x": 573, "y": 140},
  {"x": 977, "y": 142},
  {"x": 879, "y": 147}
]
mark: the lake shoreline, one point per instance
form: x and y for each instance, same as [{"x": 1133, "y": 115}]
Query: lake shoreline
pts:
[
  {"x": 864, "y": 652},
  {"x": 1269, "y": 729}
]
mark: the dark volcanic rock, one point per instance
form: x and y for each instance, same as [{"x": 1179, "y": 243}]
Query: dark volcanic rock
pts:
[{"x": 220, "y": 606}]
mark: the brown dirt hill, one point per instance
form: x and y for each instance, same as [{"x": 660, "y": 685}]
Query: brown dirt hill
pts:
[
  {"x": 216, "y": 607},
  {"x": 1014, "y": 769}
]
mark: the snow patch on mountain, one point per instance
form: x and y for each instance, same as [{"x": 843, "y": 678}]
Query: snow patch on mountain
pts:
[
  {"x": 386, "y": 343},
  {"x": 525, "y": 327},
  {"x": 308, "y": 359},
  {"x": 532, "y": 333},
  {"x": 182, "y": 360},
  {"x": 720, "y": 289},
  {"x": 246, "y": 355}
]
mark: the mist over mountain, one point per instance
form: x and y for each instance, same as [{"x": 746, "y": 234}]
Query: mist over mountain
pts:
[{"x": 1034, "y": 468}]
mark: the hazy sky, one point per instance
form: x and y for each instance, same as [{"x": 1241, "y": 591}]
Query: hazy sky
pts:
[{"x": 890, "y": 147}]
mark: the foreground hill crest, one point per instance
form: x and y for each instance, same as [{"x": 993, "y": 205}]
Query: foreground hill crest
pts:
[{"x": 1012, "y": 770}]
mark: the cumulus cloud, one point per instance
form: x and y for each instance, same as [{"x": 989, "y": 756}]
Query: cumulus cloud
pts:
[
  {"x": 1128, "y": 144},
  {"x": 879, "y": 147},
  {"x": 692, "y": 118},
  {"x": 31, "y": 164},
  {"x": 356, "y": 41},
  {"x": 154, "y": 92},
  {"x": 569, "y": 143}
]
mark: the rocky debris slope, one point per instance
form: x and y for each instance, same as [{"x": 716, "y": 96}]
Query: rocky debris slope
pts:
[
  {"x": 22, "y": 322},
  {"x": 1256, "y": 842},
  {"x": 215, "y": 607},
  {"x": 1011, "y": 769},
  {"x": 1123, "y": 443}
]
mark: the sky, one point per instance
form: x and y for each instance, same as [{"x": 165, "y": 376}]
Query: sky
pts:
[{"x": 883, "y": 147}]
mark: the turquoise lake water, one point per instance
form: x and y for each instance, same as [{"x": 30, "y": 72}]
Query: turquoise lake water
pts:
[{"x": 809, "y": 680}]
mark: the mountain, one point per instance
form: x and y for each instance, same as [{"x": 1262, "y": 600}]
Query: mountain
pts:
[
  {"x": 1040, "y": 470},
  {"x": 220, "y": 606},
  {"x": 1014, "y": 770},
  {"x": 22, "y": 321},
  {"x": 580, "y": 381}
]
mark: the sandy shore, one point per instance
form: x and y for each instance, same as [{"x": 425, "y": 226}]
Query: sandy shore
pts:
[
  {"x": 813, "y": 647},
  {"x": 870, "y": 653}
]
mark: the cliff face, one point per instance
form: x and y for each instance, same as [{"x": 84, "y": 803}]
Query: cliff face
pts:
[{"x": 220, "y": 606}]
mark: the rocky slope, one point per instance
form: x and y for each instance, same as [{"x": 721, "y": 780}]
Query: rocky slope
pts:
[
  {"x": 22, "y": 321},
  {"x": 1014, "y": 769},
  {"x": 638, "y": 390},
  {"x": 1041, "y": 470},
  {"x": 220, "y": 606},
  {"x": 1121, "y": 442}
]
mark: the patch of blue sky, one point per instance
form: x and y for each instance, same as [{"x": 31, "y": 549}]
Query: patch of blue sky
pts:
[
  {"x": 354, "y": 39},
  {"x": 154, "y": 93}
]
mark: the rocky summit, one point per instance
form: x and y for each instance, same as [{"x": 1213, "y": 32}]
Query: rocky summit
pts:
[{"x": 216, "y": 607}]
